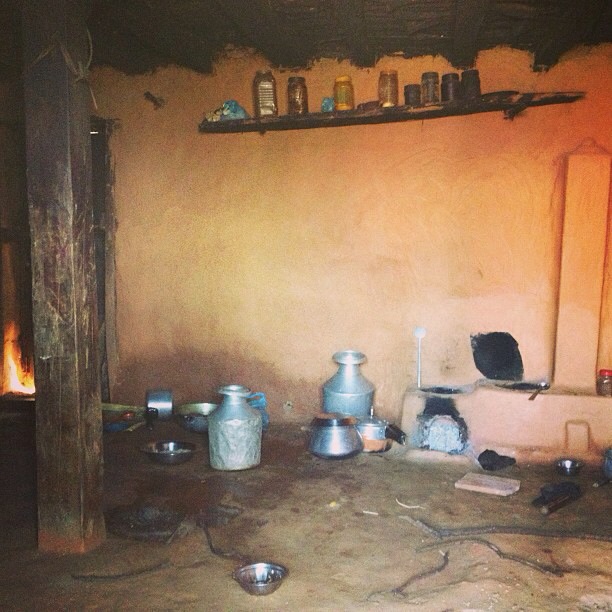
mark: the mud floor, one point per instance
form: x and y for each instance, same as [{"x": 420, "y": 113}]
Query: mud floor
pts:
[{"x": 367, "y": 533}]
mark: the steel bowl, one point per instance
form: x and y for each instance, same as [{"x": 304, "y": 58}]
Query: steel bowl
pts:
[
  {"x": 567, "y": 466},
  {"x": 194, "y": 417},
  {"x": 169, "y": 452},
  {"x": 260, "y": 578}
]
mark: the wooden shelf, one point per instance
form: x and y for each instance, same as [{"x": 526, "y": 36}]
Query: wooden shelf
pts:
[{"x": 511, "y": 103}]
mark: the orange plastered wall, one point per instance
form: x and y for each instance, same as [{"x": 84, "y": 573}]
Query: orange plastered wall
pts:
[{"x": 252, "y": 258}]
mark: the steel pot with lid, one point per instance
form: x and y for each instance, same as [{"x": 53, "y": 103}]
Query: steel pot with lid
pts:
[
  {"x": 378, "y": 435},
  {"x": 334, "y": 436}
]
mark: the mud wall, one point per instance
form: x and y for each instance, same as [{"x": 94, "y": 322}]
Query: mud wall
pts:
[{"x": 252, "y": 259}]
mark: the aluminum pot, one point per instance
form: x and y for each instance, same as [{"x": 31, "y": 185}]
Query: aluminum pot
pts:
[
  {"x": 378, "y": 435},
  {"x": 335, "y": 436}
]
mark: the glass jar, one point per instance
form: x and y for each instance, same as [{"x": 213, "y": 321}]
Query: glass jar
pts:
[
  {"x": 297, "y": 96},
  {"x": 430, "y": 88},
  {"x": 604, "y": 383},
  {"x": 344, "y": 96},
  {"x": 264, "y": 94},
  {"x": 387, "y": 88}
]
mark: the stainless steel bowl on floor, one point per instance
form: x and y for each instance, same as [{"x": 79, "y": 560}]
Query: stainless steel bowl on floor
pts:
[
  {"x": 169, "y": 452},
  {"x": 567, "y": 466},
  {"x": 260, "y": 578}
]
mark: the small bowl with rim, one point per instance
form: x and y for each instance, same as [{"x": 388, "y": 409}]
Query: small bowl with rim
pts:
[
  {"x": 169, "y": 452},
  {"x": 568, "y": 466},
  {"x": 260, "y": 578}
]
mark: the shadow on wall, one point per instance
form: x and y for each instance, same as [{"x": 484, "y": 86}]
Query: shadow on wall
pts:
[{"x": 201, "y": 374}]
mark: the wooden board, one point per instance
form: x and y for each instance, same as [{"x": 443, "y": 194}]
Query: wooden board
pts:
[{"x": 483, "y": 483}]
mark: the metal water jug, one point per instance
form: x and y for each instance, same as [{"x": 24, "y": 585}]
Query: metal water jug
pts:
[
  {"x": 234, "y": 431},
  {"x": 348, "y": 391}
]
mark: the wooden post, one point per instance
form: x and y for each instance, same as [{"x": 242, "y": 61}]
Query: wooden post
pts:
[{"x": 58, "y": 153}]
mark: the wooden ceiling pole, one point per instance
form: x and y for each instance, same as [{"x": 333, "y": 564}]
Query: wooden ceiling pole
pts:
[{"x": 58, "y": 155}]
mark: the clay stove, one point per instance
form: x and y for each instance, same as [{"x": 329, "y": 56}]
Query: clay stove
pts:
[{"x": 561, "y": 413}]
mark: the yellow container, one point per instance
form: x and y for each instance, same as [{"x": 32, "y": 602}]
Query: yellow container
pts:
[{"x": 344, "y": 96}]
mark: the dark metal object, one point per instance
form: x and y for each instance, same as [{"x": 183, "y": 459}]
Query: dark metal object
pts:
[
  {"x": 451, "y": 87},
  {"x": 470, "y": 84},
  {"x": 602, "y": 482},
  {"x": 412, "y": 94},
  {"x": 543, "y": 387},
  {"x": 158, "y": 405},
  {"x": 556, "y": 504}
]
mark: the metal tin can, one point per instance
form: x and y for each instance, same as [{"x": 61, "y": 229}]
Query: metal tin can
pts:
[
  {"x": 412, "y": 94},
  {"x": 451, "y": 87},
  {"x": 470, "y": 84},
  {"x": 297, "y": 96}
]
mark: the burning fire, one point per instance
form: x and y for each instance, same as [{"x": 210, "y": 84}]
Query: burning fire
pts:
[{"x": 17, "y": 377}]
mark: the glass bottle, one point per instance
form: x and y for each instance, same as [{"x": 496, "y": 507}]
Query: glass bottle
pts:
[
  {"x": 344, "y": 96},
  {"x": 430, "y": 89},
  {"x": 234, "y": 431},
  {"x": 604, "y": 382},
  {"x": 387, "y": 88},
  {"x": 348, "y": 391},
  {"x": 264, "y": 94},
  {"x": 297, "y": 96}
]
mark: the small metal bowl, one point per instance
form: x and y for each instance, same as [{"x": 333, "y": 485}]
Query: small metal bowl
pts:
[
  {"x": 260, "y": 578},
  {"x": 568, "y": 466},
  {"x": 169, "y": 452}
]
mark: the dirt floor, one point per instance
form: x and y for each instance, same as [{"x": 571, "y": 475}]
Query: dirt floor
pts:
[{"x": 355, "y": 534}]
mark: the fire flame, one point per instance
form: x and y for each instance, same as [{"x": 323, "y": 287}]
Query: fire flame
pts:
[{"x": 17, "y": 379}]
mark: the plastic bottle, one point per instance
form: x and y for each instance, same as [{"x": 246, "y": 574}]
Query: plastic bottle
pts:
[{"x": 264, "y": 94}]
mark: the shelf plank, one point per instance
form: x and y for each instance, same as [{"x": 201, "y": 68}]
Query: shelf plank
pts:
[{"x": 510, "y": 103}]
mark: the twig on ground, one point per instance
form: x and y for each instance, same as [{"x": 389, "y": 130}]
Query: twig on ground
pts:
[
  {"x": 540, "y": 567},
  {"x": 405, "y": 506},
  {"x": 441, "y": 532},
  {"x": 399, "y": 590},
  {"x": 141, "y": 570}
]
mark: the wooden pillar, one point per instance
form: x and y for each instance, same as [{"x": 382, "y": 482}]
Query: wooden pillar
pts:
[{"x": 58, "y": 153}]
